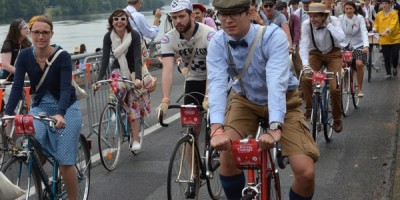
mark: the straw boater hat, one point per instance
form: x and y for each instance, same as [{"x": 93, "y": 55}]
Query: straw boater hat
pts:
[{"x": 317, "y": 8}]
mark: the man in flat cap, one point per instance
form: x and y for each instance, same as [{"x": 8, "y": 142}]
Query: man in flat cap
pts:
[
  {"x": 263, "y": 88},
  {"x": 321, "y": 35}
]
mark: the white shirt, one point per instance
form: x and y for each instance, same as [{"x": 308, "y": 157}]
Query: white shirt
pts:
[
  {"x": 357, "y": 36},
  {"x": 301, "y": 14},
  {"x": 369, "y": 12},
  {"x": 140, "y": 25},
  {"x": 322, "y": 38}
]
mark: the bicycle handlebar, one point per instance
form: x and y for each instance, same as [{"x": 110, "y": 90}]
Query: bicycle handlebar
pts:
[
  {"x": 41, "y": 116},
  {"x": 161, "y": 114}
]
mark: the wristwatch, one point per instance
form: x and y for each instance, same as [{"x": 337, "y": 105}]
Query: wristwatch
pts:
[{"x": 275, "y": 126}]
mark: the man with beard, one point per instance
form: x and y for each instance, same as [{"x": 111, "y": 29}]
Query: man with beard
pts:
[{"x": 189, "y": 40}]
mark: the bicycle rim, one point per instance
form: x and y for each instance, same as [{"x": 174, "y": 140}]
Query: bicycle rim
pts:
[
  {"x": 11, "y": 170},
  {"x": 315, "y": 116},
  {"x": 83, "y": 165},
  {"x": 180, "y": 185},
  {"x": 328, "y": 119},
  {"x": 109, "y": 137},
  {"x": 345, "y": 89},
  {"x": 214, "y": 186}
]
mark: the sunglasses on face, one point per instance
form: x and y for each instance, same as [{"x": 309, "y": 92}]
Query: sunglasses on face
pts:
[
  {"x": 119, "y": 19},
  {"x": 268, "y": 6}
]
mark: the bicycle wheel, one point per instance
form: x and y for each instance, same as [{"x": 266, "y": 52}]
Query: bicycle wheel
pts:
[
  {"x": 109, "y": 138},
  {"x": 141, "y": 136},
  {"x": 83, "y": 165},
  {"x": 345, "y": 89},
  {"x": 214, "y": 186},
  {"x": 354, "y": 91},
  {"x": 180, "y": 184},
  {"x": 274, "y": 192},
  {"x": 327, "y": 117},
  {"x": 16, "y": 170},
  {"x": 369, "y": 64},
  {"x": 315, "y": 117}
]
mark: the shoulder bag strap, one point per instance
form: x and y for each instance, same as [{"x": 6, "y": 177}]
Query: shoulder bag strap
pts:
[{"x": 47, "y": 69}]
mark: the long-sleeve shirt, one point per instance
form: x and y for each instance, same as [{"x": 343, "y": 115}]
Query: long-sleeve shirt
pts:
[
  {"x": 294, "y": 27},
  {"x": 133, "y": 56},
  {"x": 140, "y": 25},
  {"x": 57, "y": 81},
  {"x": 357, "y": 36},
  {"x": 266, "y": 80},
  {"x": 322, "y": 38},
  {"x": 389, "y": 22},
  {"x": 303, "y": 16}
]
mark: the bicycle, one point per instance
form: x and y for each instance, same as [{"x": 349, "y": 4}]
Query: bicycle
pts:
[
  {"x": 348, "y": 86},
  {"x": 8, "y": 139},
  {"x": 115, "y": 129},
  {"x": 372, "y": 42},
  {"x": 25, "y": 170},
  {"x": 263, "y": 182},
  {"x": 187, "y": 175},
  {"x": 321, "y": 113}
]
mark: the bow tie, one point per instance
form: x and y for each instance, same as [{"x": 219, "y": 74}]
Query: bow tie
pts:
[
  {"x": 234, "y": 44},
  {"x": 322, "y": 27}
]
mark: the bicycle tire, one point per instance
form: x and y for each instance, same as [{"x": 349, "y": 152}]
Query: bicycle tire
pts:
[
  {"x": 274, "y": 192},
  {"x": 110, "y": 137},
  {"x": 354, "y": 91},
  {"x": 345, "y": 90},
  {"x": 83, "y": 166},
  {"x": 18, "y": 164},
  {"x": 327, "y": 117},
  {"x": 315, "y": 116},
  {"x": 214, "y": 186},
  {"x": 247, "y": 197},
  {"x": 141, "y": 136},
  {"x": 369, "y": 65},
  {"x": 178, "y": 187}
]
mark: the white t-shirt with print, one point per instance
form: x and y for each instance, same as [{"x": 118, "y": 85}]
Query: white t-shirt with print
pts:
[{"x": 172, "y": 43}]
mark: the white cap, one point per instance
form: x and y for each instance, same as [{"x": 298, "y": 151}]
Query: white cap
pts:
[{"x": 179, "y": 5}]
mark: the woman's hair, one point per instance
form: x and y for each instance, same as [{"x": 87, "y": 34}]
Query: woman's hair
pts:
[
  {"x": 352, "y": 4},
  {"x": 82, "y": 48},
  {"x": 41, "y": 18},
  {"x": 118, "y": 13},
  {"x": 14, "y": 33}
]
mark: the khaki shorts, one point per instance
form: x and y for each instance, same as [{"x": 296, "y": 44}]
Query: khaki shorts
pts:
[{"x": 243, "y": 115}]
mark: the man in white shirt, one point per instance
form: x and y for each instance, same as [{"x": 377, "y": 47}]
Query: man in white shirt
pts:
[
  {"x": 321, "y": 35},
  {"x": 138, "y": 20}
]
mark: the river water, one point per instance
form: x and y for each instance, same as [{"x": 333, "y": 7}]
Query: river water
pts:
[{"x": 88, "y": 29}]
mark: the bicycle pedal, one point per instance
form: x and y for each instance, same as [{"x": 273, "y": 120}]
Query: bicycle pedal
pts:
[{"x": 190, "y": 192}]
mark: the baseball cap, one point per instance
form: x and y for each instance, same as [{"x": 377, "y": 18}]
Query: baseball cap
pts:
[{"x": 179, "y": 5}]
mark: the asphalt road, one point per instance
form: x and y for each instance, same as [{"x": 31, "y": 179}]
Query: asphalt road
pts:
[{"x": 358, "y": 164}]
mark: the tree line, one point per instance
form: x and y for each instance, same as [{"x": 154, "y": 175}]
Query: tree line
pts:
[{"x": 10, "y": 9}]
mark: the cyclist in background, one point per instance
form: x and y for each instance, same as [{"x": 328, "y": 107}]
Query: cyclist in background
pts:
[
  {"x": 353, "y": 25},
  {"x": 266, "y": 90},
  {"x": 199, "y": 16},
  {"x": 55, "y": 96},
  {"x": 189, "y": 40},
  {"x": 321, "y": 35}
]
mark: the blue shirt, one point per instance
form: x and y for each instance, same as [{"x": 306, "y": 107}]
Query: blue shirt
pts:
[
  {"x": 266, "y": 81},
  {"x": 140, "y": 25},
  {"x": 57, "y": 81}
]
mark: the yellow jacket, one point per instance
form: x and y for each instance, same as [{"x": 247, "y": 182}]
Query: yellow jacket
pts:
[{"x": 389, "y": 22}]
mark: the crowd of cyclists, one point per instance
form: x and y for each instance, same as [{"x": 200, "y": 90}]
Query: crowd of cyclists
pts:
[{"x": 242, "y": 59}]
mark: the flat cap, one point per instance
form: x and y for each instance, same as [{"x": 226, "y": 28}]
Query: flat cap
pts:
[
  {"x": 230, "y": 5},
  {"x": 305, "y": 1},
  {"x": 269, "y": 2},
  {"x": 281, "y": 5}
]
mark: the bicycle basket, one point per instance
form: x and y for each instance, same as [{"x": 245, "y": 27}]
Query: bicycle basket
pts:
[
  {"x": 318, "y": 77},
  {"x": 24, "y": 125},
  {"x": 190, "y": 116},
  {"x": 347, "y": 56},
  {"x": 246, "y": 154}
]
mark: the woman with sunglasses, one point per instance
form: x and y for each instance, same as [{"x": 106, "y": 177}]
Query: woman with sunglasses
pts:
[
  {"x": 54, "y": 96},
  {"x": 16, "y": 39},
  {"x": 125, "y": 44}
]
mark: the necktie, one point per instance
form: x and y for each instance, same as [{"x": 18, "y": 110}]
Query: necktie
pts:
[
  {"x": 234, "y": 44},
  {"x": 322, "y": 27}
]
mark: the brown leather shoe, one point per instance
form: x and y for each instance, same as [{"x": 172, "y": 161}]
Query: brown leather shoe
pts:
[
  {"x": 307, "y": 114},
  {"x": 337, "y": 126}
]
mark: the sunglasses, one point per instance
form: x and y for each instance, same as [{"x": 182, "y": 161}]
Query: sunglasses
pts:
[
  {"x": 119, "y": 19},
  {"x": 268, "y": 6}
]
